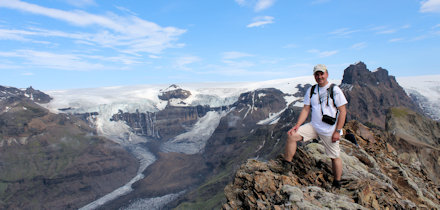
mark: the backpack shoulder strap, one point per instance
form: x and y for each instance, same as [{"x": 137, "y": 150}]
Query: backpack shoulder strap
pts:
[
  {"x": 312, "y": 90},
  {"x": 332, "y": 86}
]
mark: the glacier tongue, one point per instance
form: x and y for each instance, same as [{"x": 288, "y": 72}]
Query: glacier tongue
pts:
[{"x": 194, "y": 140}]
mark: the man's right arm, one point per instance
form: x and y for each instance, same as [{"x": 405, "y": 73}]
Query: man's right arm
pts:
[{"x": 302, "y": 117}]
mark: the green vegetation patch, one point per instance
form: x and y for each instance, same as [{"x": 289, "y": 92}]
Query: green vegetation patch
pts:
[{"x": 399, "y": 112}]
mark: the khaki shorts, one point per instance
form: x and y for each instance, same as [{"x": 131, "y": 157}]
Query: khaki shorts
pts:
[{"x": 308, "y": 133}]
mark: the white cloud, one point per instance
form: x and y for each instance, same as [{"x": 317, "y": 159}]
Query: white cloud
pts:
[
  {"x": 234, "y": 55},
  {"x": 260, "y": 21},
  {"x": 406, "y": 26},
  {"x": 154, "y": 56},
  {"x": 359, "y": 45},
  {"x": 396, "y": 40},
  {"x": 258, "y": 5},
  {"x": 8, "y": 66},
  {"x": 239, "y": 64},
  {"x": 67, "y": 61},
  {"x": 241, "y": 2},
  {"x": 388, "y": 31},
  {"x": 430, "y": 6},
  {"x": 128, "y": 34},
  {"x": 81, "y": 3},
  {"x": 323, "y": 54},
  {"x": 182, "y": 62},
  {"x": 343, "y": 32},
  {"x": 27, "y": 74},
  {"x": 263, "y": 4}
]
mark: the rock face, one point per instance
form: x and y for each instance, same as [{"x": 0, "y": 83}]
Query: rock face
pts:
[
  {"x": 416, "y": 140},
  {"x": 371, "y": 94},
  {"x": 164, "y": 124},
  {"x": 373, "y": 178},
  {"x": 50, "y": 161},
  {"x": 240, "y": 123},
  {"x": 174, "y": 91},
  {"x": 30, "y": 93}
]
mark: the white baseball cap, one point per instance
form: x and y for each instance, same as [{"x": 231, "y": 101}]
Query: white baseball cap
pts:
[{"x": 319, "y": 67}]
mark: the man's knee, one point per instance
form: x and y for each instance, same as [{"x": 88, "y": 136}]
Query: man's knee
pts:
[{"x": 294, "y": 137}]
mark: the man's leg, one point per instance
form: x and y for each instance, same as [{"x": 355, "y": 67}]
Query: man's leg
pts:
[
  {"x": 333, "y": 151},
  {"x": 337, "y": 168},
  {"x": 290, "y": 149}
]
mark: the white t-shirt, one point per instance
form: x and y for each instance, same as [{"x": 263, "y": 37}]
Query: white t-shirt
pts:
[{"x": 323, "y": 128}]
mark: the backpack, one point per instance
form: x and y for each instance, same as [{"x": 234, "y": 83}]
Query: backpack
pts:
[{"x": 330, "y": 89}]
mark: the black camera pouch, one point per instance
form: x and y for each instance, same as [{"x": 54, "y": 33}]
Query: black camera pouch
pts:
[{"x": 329, "y": 120}]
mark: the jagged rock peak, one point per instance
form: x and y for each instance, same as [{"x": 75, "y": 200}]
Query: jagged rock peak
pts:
[
  {"x": 29, "y": 93},
  {"x": 37, "y": 95},
  {"x": 359, "y": 74},
  {"x": 174, "y": 91}
]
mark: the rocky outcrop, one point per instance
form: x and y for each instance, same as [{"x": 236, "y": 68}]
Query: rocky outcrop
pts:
[
  {"x": 54, "y": 161},
  {"x": 37, "y": 95},
  {"x": 174, "y": 92},
  {"x": 29, "y": 93},
  {"x": 373, "y": 178},
  {"x": 371, "y": 94},
  {"x": 416, "y": 140}
]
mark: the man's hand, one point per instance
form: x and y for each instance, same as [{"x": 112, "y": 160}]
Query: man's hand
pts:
[
  {"x": 336, "y": 136},
  {"x": 293, "y": 130}
]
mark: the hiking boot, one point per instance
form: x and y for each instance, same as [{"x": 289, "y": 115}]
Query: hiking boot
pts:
[
  {"x": 287, "y": 165},
  {"x": 336, "y": 184}
]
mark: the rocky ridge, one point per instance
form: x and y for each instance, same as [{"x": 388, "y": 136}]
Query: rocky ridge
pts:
[
  {"x": 374, "y": 177},
  {"x": 30, "y": 93}
]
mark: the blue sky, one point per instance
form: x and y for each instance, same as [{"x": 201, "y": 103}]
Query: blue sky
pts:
[{"x": 63, "y": 44}]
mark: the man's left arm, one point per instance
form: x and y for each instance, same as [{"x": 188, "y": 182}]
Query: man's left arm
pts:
[{"x": 341, "y": 120}]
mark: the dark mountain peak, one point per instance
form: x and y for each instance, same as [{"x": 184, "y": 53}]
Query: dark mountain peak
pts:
[
  {"x": 174, "y": 86},
  {"x": 37, "y": 95},
  {"x": 261, "y": 97},
  {"x": 359, "y": 74},
  {"x": 29, "y": 93},
  {"x": 174, "y": 91},
  {"x": 355, "y": 73},
  {"x": 371, "y": 94}
]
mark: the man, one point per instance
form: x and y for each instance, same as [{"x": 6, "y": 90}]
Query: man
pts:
[{"x": 320, "y": 104}]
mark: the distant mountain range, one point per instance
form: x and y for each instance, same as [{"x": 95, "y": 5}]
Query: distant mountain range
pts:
[{"x": 189, "y": 139}]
